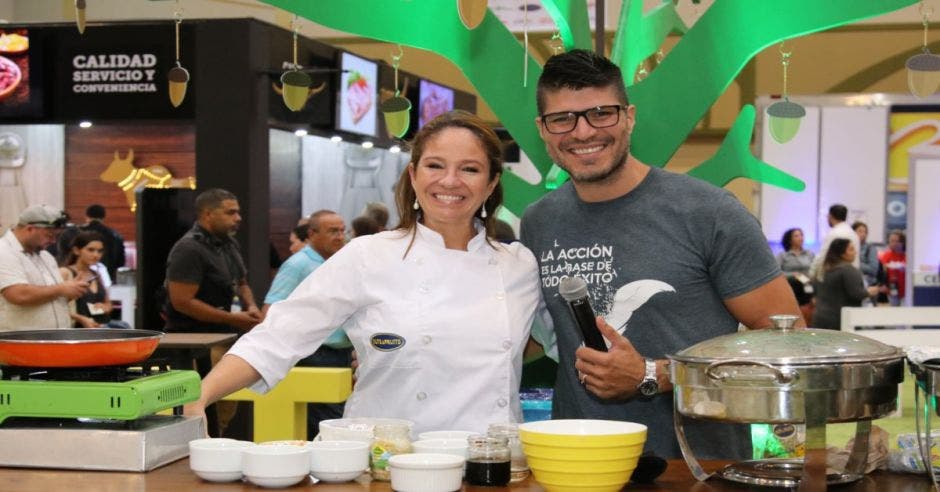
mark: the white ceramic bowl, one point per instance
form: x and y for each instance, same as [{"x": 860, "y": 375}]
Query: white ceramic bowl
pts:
[
  {"x": 446, "y": 434},
  {"x": 456, "y": 447},
  {"x": 295, "y": 442},
  {"x": 355, "y": 429},
  {"x": 338, "y": 461},
  {"x": 217, "y": 460},
  {"x": 426, "y": 472},
  {"x": 277, "y": 465}
]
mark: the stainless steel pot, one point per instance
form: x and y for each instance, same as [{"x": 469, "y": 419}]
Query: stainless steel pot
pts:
[
  {"x": 787, "y": 375},
  {"x": 764, "y": 376}
]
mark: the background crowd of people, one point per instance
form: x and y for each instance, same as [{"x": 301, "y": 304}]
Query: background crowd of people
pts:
[{"x": 848, "y": 271}]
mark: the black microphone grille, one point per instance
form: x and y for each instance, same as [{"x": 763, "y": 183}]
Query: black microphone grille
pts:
[{"x": 572, "y": 288}]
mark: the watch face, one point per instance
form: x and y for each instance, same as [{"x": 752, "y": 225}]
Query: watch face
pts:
[{"x": 649, "y": 387}]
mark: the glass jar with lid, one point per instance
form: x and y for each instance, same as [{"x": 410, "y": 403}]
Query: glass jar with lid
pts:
[
  {"x": 390, "y": 439},
  {"x": 488, "y": 461},
  {"x": 519, "y": 467}
]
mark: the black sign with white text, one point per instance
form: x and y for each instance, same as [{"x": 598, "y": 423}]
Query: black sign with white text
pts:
[{"x": 118, "y": 72}]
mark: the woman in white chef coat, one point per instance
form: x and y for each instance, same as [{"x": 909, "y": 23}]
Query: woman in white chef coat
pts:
[{"x": 439, "y": 313}]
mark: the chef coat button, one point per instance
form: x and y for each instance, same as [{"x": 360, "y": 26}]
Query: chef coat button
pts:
[
  {"x": 500, "y": 295},
  {"x": 422, "y": 395},
  {"x": 419, "y": 261},
  {"x": 424, "y": 288},
  {"x": 426, "y": 339},
  {"x": 494, "y": 261},
  {"x": 502, "y": 402},
  {"x": 507, "y": 344}
]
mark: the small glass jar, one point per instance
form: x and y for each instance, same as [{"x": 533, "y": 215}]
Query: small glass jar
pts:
[
  {"x": 519, "y": 467},
  {"x": 389, "y": 440},
  {"x": 488, "y": 461}
]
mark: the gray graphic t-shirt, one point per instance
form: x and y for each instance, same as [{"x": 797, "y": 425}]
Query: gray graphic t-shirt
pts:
[{"x": 658, "y": 262}]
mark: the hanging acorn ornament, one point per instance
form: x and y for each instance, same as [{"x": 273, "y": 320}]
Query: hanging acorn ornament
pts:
[
  {"x": 295, "y": 84},
  {"x": 177, "y": 77},
  {"x": 785, "y": 116},
  {"x": 397, "y": 109}
]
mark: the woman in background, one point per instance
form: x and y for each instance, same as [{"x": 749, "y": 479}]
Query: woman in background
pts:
[
  {"x": 794, "y": 259},
  {"x": 93, "y": 309},
  {"x": 841, "y": 286}
]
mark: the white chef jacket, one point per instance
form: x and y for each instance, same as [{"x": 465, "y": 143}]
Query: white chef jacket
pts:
[
  {"x": 19, "y": 267},
  {"x": 439, "y": 333}
]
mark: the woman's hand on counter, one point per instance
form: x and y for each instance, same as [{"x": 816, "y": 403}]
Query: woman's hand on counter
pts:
[{"x": 197, "y": 409}]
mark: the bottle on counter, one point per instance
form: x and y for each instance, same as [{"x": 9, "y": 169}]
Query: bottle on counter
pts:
[
  {"x": 519, "y": 467},
  {"x": 389, "y": 440},
  {"x": 488, "y": 461}
]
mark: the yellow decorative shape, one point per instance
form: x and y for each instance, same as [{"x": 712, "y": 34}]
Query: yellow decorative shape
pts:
[
  {"x": 129, "y": 178},
  {"x": 282, "y": 412}
]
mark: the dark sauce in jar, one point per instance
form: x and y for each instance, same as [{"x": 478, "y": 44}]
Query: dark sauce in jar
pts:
[{"x": 488, "y": 473}]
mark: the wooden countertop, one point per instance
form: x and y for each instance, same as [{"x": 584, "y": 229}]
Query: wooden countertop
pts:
[{"x": 177, "y": 477}]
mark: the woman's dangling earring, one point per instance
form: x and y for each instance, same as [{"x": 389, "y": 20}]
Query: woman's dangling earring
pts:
[
  {"x": 483, "y": 212},
  {"x": 416, "y": 206}
]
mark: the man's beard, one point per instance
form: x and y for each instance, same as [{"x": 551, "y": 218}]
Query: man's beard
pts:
[{"x": 598, "y": 175}]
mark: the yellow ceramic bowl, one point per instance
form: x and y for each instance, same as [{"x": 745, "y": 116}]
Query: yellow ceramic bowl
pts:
[
  {"x": 567, "y": 466},
  {"x": 557, "y": 481},
  {"x": 582, "y": 454},
  {"x": 582, "y": 433}
]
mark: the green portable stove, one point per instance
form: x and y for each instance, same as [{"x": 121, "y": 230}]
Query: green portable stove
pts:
[{"x": 96, "y": 418}]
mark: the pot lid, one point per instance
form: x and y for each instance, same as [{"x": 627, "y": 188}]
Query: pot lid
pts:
[{"x": 784, "y": 344}]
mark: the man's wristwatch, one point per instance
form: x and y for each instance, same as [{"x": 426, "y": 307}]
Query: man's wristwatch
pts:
[{"x": 649, "y": 386}]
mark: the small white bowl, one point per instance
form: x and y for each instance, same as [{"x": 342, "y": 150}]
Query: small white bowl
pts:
[
  {"x": 446, "y": 434},
  {"x": 456, "y": 447},
  {"x": 277, "y": 465},
  {"x": 295, "y": 442},
  {"x": 338, "y": 461},
  {"x": 426, "y": 472},
  {"x": 217, "y": 460}
]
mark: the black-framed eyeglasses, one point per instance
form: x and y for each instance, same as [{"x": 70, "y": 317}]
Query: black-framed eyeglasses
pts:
[{"x": 598, "y": 117}]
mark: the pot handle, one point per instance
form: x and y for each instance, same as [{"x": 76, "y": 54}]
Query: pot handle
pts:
[{"x": 781, "y": 377}]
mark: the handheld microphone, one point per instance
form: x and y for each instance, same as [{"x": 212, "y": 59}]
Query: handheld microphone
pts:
[{"x": 574, "y": 291}]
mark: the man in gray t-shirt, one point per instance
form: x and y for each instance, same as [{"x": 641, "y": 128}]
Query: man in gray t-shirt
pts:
[{"x": 669, "y": 260}]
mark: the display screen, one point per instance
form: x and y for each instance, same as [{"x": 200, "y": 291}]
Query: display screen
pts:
[
  {"x": 17, "y": 98},
  {"x": 435, "y": 99},
  {"x": 356, "y": 107}
]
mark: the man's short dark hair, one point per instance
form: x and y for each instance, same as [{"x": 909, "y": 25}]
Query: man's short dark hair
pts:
[
  {"x": 378, "y": 212},
  {"x": 838, "y": 212},
  {"x": 212, "y": 199},
  {"x": 364, "y": 226},
  {"x": 95, "y": 212},
  {"x": 313, "y": 223},
  {"x": 576, "y": 70}
]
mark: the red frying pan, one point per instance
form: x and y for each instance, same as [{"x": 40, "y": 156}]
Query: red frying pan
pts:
[{"x": 76, "y": 347}]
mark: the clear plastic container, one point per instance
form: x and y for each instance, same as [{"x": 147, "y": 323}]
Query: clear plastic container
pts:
[
  {"x": 519, "y": 467},
  {"x": 390, "y": 439}
]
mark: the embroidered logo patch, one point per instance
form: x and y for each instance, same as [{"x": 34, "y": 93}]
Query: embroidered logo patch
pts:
[{"x": 386, "y": 342}]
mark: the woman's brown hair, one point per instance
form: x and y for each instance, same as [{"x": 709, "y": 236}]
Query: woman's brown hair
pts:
[{"x": 405, "y": 193}]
